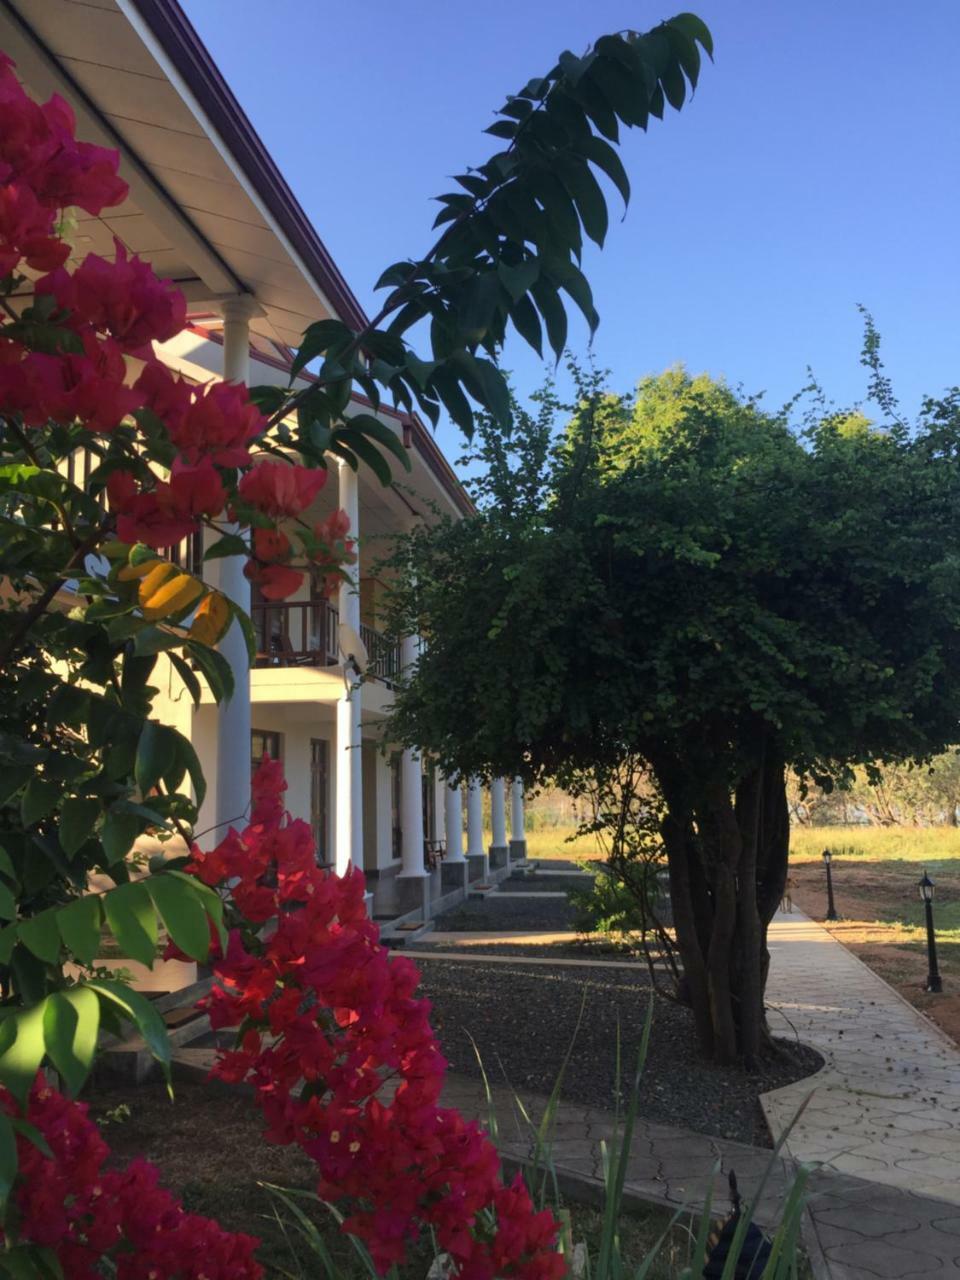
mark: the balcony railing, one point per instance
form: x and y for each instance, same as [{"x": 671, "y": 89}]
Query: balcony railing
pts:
[{"x": 305, "y": 633}]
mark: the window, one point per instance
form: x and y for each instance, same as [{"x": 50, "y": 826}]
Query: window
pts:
[
  {"x": 319, "y": 789},
  {"x": 264, "y": 742}
]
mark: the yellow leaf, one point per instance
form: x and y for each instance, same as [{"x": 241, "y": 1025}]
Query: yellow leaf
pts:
[
  {"x": 175, "y": 594},
  {"x": 155, "y": 578},
  {"x": 130, "y": 572},
  {"x": 211, "y": 619}
]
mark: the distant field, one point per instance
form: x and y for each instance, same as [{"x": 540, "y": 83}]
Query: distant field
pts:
[
  {"x": 930, "y": 845},
  {"x": 551, "y": 842}
]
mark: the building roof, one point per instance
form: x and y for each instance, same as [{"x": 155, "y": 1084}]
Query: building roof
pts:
[{"x": 208, "y": 207}]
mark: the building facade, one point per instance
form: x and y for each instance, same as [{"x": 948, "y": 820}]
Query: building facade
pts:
[{"x": 209, "y": 209}]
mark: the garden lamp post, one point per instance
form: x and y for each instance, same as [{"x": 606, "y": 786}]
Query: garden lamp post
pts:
[
  {"x": 934, "y": 981},
  {"x": 831, "y": 909}
]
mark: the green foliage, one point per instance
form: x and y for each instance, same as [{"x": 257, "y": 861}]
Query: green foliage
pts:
[
  {"x": 509, "y": 251},
  {"x": 707, "y": 588}
]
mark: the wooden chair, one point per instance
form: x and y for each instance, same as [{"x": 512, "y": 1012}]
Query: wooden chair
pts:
[{"x": 434, "y": 852}]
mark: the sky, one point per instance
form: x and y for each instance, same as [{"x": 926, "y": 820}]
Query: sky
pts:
[{"x": 815, "y": 169}]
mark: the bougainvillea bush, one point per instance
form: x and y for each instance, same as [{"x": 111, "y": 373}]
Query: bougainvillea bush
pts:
[{"x": 342, "y": 1059}]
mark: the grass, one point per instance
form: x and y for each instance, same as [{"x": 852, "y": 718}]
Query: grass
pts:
[{"x": 558, "y": 842}]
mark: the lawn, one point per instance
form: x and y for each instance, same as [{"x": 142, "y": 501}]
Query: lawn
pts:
[
  {"x": 561, "y": 842},
  {"x": 875, "y": 874}
]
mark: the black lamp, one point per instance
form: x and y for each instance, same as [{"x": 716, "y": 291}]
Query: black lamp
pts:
[
  {"x": 831, "y": 908},
  {"x": 927, "y": 889}
]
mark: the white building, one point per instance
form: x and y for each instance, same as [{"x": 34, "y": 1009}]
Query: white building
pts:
[{"x": 208, "y": 208}]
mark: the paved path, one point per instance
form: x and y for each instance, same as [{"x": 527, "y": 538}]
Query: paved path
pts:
[
  {"x": 882, "y": 1126},
  {"x": 886, "y": 1107}
]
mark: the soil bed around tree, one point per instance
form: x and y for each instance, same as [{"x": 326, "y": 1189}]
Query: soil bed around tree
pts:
[{"x": 523, "y": 1019}]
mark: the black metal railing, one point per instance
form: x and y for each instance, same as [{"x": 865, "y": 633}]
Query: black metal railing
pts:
[{"x": 305, "y": 633}]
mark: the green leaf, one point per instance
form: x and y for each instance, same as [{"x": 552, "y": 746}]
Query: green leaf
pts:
[
  {"x": 155, "y": 755},
  {"x": 379, "y": 431},
  {"x": 79, "y": 925},
  {"x": 319, "y": 338},
  {"x": 183, "y": 914},
  {"x": 517, "y": 280},
  {"x": 8, "y": 904},
  {"x": 144, "y": 1016},
  {"x": 21, "y": 1049},
  {"x": 8, "y": 940},
  {"x": 118, "y": 831},
  {"x": 187, "y": 675},
  {"x": 604, "y": 156},
  {"x": 527, "y": 323},
  {"x": 554, "y": 316},
  {"x": 133, "y": 921},
  {"x": 585, "y": 191},
  {"x": 78, "y": 817},
  {"x": 71, "y": 1023},
  {"x": 215, "y": 669},
  {"x": 13, "y": 778},
  {"x": 695, "y": 28},
  {"x": 8, "y": 1158},
  {"x": 192, "y": 763},
  {"x": 40, "y": 934},
  {"x": 231, "y": 544},
  {"x": 38, "y": 800},
  {"x": 366, "y": 452},
  {"x": 153, "y": 640},
  {"x": 502, "y": 129}
]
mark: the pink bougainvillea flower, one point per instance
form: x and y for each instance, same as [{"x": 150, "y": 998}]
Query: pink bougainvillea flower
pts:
[
  {"x": 275, "y": 581},
  {"x": 281, "y": 488},
  {"x": 322, "y": 1003},
  {"x": 171, "y": 511},
  {"x": 122, "y": 298}
]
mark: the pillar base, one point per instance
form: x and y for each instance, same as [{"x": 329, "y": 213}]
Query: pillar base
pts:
[
  {"x": 499, "y": 856},
  {"x": 412, "y": 894},
  {"x": 518, "y": 850},
  {"x": 476, "y": 867},
  {"x": 453, "y": 875}
]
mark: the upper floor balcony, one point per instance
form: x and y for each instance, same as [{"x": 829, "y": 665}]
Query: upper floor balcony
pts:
[{"x": 305, "y": 633}]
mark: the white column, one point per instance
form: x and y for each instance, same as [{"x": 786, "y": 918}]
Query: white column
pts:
[
  {"x": 411, "y": 789},
  {"x": 498, "y": 814},
  {"x": 475, "y": 847},
  {"x": 453, "y": 823},
  {"x": 349, "y": 814},
  {"x": 233, "y": 716},
  {"x": 517, "y": 831}
]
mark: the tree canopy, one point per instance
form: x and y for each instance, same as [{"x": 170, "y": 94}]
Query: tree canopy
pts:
[{"x": 710, "y": 587}]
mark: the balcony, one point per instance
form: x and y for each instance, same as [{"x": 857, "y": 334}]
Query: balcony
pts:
[{"x": 304, "y": 634}]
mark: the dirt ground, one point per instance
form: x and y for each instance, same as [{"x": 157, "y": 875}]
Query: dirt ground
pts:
[{"x": 882, "y": 924}]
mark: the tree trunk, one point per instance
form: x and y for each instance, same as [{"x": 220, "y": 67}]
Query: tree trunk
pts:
[{"x": 727, "y": 855}]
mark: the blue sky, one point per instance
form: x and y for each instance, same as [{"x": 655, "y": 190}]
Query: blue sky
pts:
[{"x": 815, "y": 168}]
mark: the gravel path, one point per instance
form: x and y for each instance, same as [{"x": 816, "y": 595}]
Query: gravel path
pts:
[{"x": 523, "y": 1020}]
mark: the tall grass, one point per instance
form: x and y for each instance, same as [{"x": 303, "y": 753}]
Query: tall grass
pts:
[{"x": 876, "y": 844}]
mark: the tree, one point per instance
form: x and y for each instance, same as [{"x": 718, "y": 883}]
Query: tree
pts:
[
  {"x": 724, "y": 597},
  {"x": 108, "y": 462}
]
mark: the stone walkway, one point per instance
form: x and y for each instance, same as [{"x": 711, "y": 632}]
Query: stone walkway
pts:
[
  {"x": 881, "y": 1128},
  {"x": 887, "y": 1105}
]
